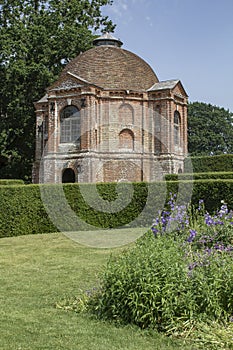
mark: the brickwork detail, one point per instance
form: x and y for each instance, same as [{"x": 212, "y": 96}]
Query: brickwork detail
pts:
[{"x": 128, "y": 121}]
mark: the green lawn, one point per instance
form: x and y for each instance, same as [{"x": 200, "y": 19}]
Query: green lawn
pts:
[{"x": 37, "y": 271}]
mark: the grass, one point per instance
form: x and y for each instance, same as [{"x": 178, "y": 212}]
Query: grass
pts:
[
  {"x": 37, "y": 271},
  {"x": 107, "y": 238}
]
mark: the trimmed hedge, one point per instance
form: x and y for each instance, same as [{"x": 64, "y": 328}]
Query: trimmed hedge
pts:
[
  {"x": 22, "y": 210},
  {"x": 199, "y": 176},
  {"x": 212, "y": 192},
  {"x": 210, "y": 163},
  {"x": 7, "y": 182}
]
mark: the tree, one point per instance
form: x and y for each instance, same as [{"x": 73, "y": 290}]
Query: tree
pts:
[
  {"x": 210, "y": 129},
  {"x": 37, "y": 37}
]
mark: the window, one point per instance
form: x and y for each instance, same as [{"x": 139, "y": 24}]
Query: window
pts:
[
  {"x": 126, "y": 139},
  {"x": 157, "y": 145},
  {"x": 126, "y": 114},
  {"x": 157, "y": 130},
  {"x": 46, "y": 127},
  {"x": 176, "y": 128},
  {"x": 70, "y": 125}
]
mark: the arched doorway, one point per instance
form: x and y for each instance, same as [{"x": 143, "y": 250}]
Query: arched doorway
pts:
[{"x": 68, "y": 176}]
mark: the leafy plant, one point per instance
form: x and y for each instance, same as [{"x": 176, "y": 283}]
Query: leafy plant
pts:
[
  {"x": 210, "y": 164},
  {"x": 177, "y": 276},
  {"x": 210, "y": 129},
  {"x": 37, "y": 39}
]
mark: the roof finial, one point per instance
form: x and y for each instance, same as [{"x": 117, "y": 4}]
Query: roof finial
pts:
[{"x": 107, "y": 39}]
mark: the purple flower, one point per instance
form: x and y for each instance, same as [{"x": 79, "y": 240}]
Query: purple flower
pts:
[
  {"x": 201, "y": 201},
  {"x": 229, "y": 249},
  {"x": 192, "y": 266},
  {"x": 156, "y": 222},
  {"x": 208, "y": 251},
  {"x": 155, "y": 231},
  {"x": 164, "y": 220},
  {"x": 223, "y": 210},
  {"x": 208, "y": 220},
  {"x": 192, "y": 235}
]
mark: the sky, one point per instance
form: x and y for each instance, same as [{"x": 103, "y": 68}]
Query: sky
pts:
[{"x": 190, "y": 40}]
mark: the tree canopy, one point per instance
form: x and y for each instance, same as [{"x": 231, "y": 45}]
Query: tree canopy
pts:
[
  {"x": 210, "y": 129},
  {"x": 37, "y": 38}
]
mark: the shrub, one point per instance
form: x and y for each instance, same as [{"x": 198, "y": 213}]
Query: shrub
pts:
[
  {"x": 208, "y": 245},
  {"x": 145, "y": 286},
  {"x": 199, "y": 176},
  {"x": 7, "y": 182},
  {"x": 210, "y": 163},
  {"x": 213, "y": 191},
  {"x": 173, "y": 277},
  {"x": 23, "y": 211},
  {"x": 93, "y": 211}
]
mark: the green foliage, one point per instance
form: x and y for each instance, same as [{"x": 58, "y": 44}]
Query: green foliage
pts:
[
  {"x": 210, "y": 129},
  {"x": 211, "y": 163},
  {"x": 199, "y": 176},
  {"x": 212, "y": 335},
  {"x": 37, "y": 39},
  {"x": 24, "y": 212},
  {"x": 150, "y": 286},
  {"x": 144, "y": 286},
  {"x": 211, "y": 191},
  {"x": 4, "y": 182},
  {"x": 38, "y": 270},
  {"x": 174, "y": 278},
  {"x": 95, "y": 214},
  {"x": 211, "y": 285}
]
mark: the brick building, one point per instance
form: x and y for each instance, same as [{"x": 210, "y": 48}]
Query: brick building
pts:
[{"x": 108, "y": 118}]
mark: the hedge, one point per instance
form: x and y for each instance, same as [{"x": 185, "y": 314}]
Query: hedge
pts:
[
  {"x": 7, "y": 182},
  {"x": 210, "y": 163},
  {"x": 199, "y": 176},
  {"x": 23, "y": 212}
]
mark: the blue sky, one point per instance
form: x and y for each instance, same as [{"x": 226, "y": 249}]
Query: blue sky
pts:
[{"x": 190, "y": 40}]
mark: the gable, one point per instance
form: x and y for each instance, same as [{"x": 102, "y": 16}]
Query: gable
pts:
[
  {"x": 173, "y": 85},
  {"x": 179, "y": 90},
  {"x": 66, "y": 82}
]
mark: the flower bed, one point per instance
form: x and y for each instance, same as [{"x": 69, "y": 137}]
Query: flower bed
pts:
[{"x": 178, "y": 276}]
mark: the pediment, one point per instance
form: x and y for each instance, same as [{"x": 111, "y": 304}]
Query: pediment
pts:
[
  {"x": 173, "y": 85},
  {"x": 179, "y": 90},
  {"x": 66, "y": 82}
]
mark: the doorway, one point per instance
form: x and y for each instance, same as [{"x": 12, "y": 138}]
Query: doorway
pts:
[{"x": 68, "y": 176}]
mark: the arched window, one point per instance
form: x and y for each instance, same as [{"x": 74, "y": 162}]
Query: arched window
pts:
[
  {"x": 126, "y": 114},
  {"x": 157, "y": 145},
  {"x": 126, "y": 139},
  {"x": 176, "y": 128},
  {"x": 70, "y": 125},
  {"x": 68, "y": 176},
  {"x": 157, "y": 130},
  {"x": 46, "y": 128}
]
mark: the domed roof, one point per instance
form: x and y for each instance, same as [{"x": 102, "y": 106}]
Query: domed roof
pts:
[{"x": 109, "y": 66}]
